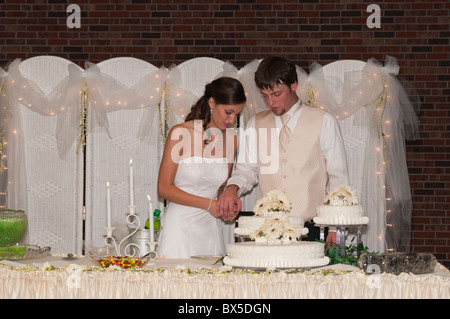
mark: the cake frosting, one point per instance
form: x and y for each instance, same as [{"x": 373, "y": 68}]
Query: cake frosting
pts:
[
  {"x": 341, "y": 207},
  {"x": 259, "y": 255},
  {"x": 274, "y": 238},
  {"x": 249, "y": 224}
]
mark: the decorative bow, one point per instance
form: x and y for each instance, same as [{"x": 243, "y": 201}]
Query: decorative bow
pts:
[
  {"x": 151, "y": 87},
  {"x": 89, "y": 94}
]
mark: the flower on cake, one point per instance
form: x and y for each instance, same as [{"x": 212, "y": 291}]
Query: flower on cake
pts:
[
  {"x": 342, "y": 195},
  {"x": 292, "y": 233},
  {"x": 274, "y": 206},
  {"x": 273, "y": 201}
]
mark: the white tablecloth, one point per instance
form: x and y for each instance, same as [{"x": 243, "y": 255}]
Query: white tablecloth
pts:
[{"x": 58, "y": 278}]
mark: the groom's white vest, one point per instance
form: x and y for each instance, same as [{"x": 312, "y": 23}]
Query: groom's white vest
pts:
[{"x": 302, "y": 171}]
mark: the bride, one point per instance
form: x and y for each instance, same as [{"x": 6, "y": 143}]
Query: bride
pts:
[{"x": 198, "y": 159}]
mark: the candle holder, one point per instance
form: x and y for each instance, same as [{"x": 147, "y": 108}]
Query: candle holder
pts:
[
  {"x": 152, "y": 253},
  {"x": 131, "y": 249},
  {"x": 132, "y": 209}
]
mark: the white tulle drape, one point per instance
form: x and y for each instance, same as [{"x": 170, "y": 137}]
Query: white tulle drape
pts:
[
  {"x": 390, "y": 118},
  {"x": 178, "y": 100},
  {"x": 246, "y": 75},
  {"x": 152, "y": 88},
  {"x": 103, "y": 94},
  {"x": 4, "y": 110},
  {"x": 389, "y": 108},
  {"x": 13, "y": 175}
]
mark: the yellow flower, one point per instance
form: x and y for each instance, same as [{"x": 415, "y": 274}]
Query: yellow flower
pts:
[
  {"x": 274, "y": 232},
  {"x": 292, "y": 233}
]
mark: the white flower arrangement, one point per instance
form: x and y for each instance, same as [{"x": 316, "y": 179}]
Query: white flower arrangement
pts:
[
  {"x": 274, "y": 206},
  {"x": 273, "y": 201},
  {"x": 342, "y": 195}
]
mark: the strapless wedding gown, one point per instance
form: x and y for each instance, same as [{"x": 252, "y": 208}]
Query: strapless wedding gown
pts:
[{"x": 189, "y": 231}]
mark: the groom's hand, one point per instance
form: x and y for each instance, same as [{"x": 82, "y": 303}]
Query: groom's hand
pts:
[{"x": 229, "y": 203}]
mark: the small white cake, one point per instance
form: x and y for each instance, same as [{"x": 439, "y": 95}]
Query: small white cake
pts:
[
  {"x": 275, "y": 238},
  {"x": 248, "y": 224},
  {"x": 341, "y": 207}
]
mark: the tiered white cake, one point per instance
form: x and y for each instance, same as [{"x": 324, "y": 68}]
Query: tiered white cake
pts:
[
  {"x": 275, "y": 238},
  {"x": 341, "y": 208}
]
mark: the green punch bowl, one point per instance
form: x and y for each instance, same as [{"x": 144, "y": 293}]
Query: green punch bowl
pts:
[{"x": 13, "y": 225}]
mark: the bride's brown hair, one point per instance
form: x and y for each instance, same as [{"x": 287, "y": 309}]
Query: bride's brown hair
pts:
[{"x": 223, "y": 90}]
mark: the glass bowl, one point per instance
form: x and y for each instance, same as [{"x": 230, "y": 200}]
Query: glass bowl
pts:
[
  {"x": 396, "y": 263},
  {"x": 23, "y": 251},
  {"x": 106, "y": 257},
  {"x": 13, "y": 225}
]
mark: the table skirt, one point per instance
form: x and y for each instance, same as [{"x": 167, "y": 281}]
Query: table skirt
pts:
[{"x": 182, "y": 280}]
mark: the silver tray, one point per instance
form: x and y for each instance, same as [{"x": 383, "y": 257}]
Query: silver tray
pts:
[
  {"x": 264, "y": 269},
  {"x": 23, "y": 251}
]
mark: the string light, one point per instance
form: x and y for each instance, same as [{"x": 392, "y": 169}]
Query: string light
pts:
[{"x": 84, "y": 103}]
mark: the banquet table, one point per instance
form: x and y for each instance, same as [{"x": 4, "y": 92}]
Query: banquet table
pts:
[{"x": 79, "y": 277}]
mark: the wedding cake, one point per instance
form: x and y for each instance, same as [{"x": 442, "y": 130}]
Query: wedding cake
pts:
[
  {"x": 247, "y": 225},
  {"x": 341, "y": 208},
  {"x": 275, "y": 238}
]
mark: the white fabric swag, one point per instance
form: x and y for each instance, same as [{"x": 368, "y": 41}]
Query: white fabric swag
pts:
[{"x": 52, "y": 110}]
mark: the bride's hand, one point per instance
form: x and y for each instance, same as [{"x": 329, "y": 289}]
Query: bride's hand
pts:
[{"x": 213, "y": 209}]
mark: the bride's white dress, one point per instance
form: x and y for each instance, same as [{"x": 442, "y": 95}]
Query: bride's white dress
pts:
[{"x": 188, "y": 231}]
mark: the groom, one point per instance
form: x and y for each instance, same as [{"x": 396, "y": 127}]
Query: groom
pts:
[{"x": 311, "y": 155}]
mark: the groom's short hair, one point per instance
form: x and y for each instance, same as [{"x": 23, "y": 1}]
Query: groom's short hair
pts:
[{"x": 273, "y": 71}]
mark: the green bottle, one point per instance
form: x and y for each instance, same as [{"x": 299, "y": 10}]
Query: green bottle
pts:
[{"x": 156, "y": 220}]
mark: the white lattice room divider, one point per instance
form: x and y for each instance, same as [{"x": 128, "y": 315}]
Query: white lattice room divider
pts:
[
  {"x": 355, "y": 141},
  {"x": 108, "y": 158},
  {"x": 54, "y": 185}
]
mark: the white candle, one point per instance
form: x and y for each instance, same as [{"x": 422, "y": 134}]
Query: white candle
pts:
[
  {"x": 131, "y": 183},
  {"x": 108, "y": 205},
  {"x": 150, "y": 219}
]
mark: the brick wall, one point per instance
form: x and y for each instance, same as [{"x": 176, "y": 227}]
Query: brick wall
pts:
[{"x": 164, "y": 32}]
